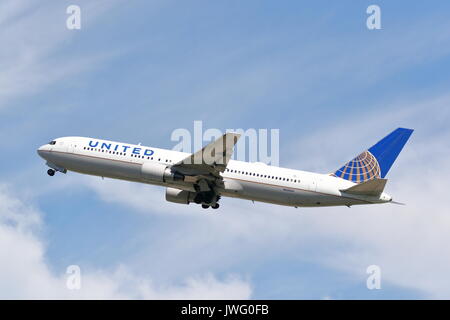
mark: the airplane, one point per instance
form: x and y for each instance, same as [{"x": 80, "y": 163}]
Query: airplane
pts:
[{"x": 209, "y": 174}]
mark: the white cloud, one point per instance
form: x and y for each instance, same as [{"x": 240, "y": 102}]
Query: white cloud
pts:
[{"x": 25, "y": 273}]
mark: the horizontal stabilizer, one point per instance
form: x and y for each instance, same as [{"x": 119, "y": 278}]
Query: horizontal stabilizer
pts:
[{"x": 372, "y": 187}]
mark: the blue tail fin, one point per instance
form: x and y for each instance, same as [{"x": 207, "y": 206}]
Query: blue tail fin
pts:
[{"x": 375, "y": 162}]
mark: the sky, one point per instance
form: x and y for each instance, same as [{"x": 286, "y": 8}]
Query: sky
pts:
[{"x": 138, "y": 70}]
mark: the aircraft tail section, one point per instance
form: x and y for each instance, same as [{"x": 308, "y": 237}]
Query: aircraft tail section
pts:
[{"x": 375, "y": 162}]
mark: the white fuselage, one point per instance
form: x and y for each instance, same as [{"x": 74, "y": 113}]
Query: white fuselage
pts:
[{"x": 251, "y": 181}]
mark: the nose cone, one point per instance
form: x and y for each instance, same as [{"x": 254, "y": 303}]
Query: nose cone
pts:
[{"x": 43, "y": 150}]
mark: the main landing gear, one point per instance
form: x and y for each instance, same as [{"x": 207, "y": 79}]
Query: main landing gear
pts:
[
  {"x": 214, "y": 206},
  {"x": 51, "y": 172},
  {"x": 208, "y": 199}
]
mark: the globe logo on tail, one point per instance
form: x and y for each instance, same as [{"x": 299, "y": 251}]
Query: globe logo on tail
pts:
[{"x": 362, "y": 168}]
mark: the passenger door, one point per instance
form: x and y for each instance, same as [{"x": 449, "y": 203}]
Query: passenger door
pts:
[{"x": 70, "y": 147}]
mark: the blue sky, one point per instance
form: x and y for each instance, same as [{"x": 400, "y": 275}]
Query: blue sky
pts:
[{"x": 137, "y": 70}]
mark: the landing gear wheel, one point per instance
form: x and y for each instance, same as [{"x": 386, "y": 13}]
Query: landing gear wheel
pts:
[
  {"x": 51, "y": 172},
  {"x": 205, "y": 206},
  {"x": 215, "y": 206}
]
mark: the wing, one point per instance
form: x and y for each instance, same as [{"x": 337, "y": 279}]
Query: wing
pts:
[{"x": 211, "y": 160}]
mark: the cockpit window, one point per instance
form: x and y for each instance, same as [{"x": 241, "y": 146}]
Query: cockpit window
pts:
[{"x": 52, "y": 142}]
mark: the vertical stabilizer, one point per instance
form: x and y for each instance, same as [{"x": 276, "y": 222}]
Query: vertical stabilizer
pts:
[{"x": 376, "y": 161}]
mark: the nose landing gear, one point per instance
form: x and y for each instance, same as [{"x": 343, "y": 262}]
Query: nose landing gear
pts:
[{"x": 54, "y": 168}]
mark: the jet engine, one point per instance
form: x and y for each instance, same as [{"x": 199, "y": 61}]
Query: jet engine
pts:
[
  {"x": 159, "y": 172},
  {"x": 179, "y": 196}
]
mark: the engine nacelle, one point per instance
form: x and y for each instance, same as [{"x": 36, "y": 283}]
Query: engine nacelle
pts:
[
  {"x": 178, "y": 196},
  {"x": 158, "y": 172}
]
